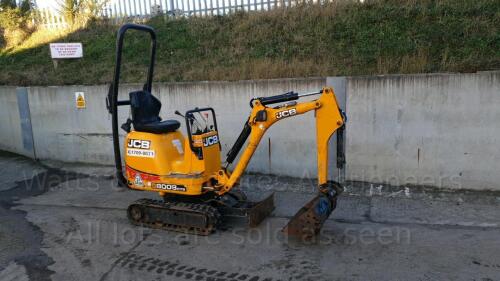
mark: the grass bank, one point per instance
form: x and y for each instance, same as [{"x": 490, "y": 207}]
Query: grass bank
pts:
[{"x": 376, "y": 37}]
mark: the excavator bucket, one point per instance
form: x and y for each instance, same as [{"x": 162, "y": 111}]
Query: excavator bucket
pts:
[{"x": 308, "y": 221}]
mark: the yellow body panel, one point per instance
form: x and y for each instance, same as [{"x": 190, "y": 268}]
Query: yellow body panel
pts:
[
  {"x": 165, "y": 162},
  {"x": 152, "y": 152}
]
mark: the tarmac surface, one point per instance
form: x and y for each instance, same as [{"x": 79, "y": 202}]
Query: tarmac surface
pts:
[{"x": 70, "y": 224}]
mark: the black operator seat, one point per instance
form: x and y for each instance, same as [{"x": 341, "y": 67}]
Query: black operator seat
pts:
[{"x": 145, "y": 114}]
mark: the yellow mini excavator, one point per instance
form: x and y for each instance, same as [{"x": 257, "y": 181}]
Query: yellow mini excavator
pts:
[{"x": 187, "y": 172}]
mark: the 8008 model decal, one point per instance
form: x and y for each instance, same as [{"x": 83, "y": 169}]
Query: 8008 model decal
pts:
[{"x": 172, "y": 187}]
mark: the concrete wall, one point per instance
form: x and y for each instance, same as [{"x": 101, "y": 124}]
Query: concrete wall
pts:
[
  {"x": 437, "y": 129},
  {"x": 63, "y": 132},
  {"x": 11, "y": 137}
]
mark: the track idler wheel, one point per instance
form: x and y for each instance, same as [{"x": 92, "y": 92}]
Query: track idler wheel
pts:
[
  {"x": 135, "y": 213},
  {"x": 308, "y": 221}
]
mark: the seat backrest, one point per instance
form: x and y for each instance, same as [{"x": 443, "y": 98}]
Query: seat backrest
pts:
[{"x": 145, "y": 107}]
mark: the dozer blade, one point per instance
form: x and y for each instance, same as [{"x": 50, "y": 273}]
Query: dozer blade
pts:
[
  {"x": 253, "y": 213},
  {"x": 307, "y": 222},
  {"x": 260, "y": 211}
]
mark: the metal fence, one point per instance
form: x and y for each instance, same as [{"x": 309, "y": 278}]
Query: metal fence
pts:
[
  {"x": 140, "y": 8},
  {"x": 48, "y": 18},
  {"x": 118, "y": 11}
]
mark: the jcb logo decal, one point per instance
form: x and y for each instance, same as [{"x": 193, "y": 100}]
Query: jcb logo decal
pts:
[
  {"x": 286, "y": 113},
  {"x": 210, "y": 141},
  {"x": 142, "y": 144},
  {"x": 173, "y": 187}
]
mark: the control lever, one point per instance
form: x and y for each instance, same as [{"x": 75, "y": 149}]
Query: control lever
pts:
[
  {"x": 192, "y": 119},
  {"x": 180, "y": 114}
]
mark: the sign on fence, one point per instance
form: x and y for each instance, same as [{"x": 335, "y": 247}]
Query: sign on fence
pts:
[{"x": 66, "y": 50}]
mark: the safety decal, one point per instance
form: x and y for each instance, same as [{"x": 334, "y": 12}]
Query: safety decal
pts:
[
  {"x": 131, "y": 173},
  {"x": 138, "y": 180},
  {"x": 177, "y": 143}
]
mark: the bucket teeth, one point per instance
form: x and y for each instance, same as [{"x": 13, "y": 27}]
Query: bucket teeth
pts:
[{"x": 307, "y": 222}]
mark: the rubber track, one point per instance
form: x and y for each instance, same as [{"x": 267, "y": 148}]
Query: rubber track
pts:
[{"x": 211, "y": 213}]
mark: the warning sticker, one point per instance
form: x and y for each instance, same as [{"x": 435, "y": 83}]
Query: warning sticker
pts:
[
  {"x": 138, "y": 180},
  {"x": 140, "y": 152},
  {"x": 80, "y": 100},
  {"x": 66, "y": 50}
]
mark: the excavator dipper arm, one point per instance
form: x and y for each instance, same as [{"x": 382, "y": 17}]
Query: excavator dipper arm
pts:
[{"x": 329, "y": 119}]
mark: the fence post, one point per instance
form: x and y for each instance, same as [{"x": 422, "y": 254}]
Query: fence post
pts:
[
  {"x": 120, "y": 8},
  {"x": 43, "y": 17},
  {"x": 129, "y": 11},
  {"x": 50, "y": 19},
  {"x": 57, "y": 23},
  {"x": 172, "y": 5}
]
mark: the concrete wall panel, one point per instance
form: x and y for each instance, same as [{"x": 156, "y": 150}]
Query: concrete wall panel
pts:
[
  {"x": 438, "y": 129},
  {"x": 63, "y": 132}
]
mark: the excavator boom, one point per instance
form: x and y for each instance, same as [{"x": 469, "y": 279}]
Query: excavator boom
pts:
[{"x": 329, "y": 118}]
